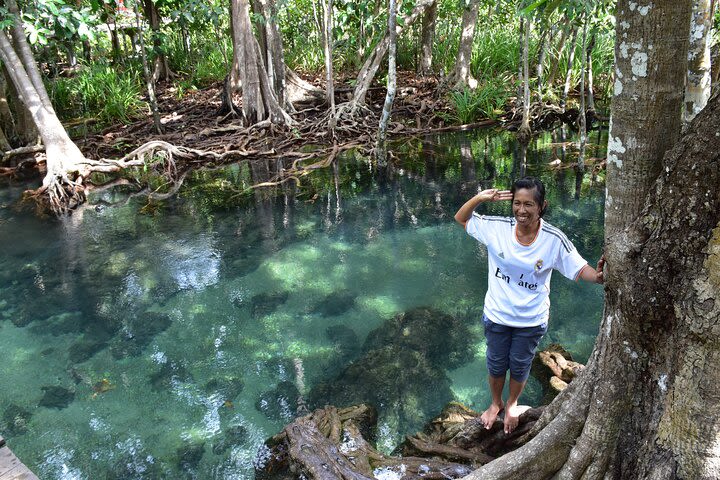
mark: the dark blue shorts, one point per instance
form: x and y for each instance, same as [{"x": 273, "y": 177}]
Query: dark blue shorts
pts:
[{"x": 511, "y": 348}]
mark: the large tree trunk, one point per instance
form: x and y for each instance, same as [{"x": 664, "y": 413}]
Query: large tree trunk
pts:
[
  {"x": 15, "y": 119},
  {"x": 380, "y": 147},
  {"x": 461, "y": 77},
  {"x": 697, "y": 89},
  {"x": 63, "y": 157},
  {"x": 272, "y": 49},
  {"x": 248, "y": 74},
  {"x": 644, "y": 408},
  {"x": 427, "y": 37}
]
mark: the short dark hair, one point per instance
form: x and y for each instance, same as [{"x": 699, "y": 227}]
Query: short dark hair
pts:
[{"x": 531, "y": 183}]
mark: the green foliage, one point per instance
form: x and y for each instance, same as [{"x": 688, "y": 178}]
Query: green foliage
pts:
[
  {"x": 55, "y": 20},
  {"x": 200, "y": 68},
  {"x": 484, "y": 102},
  {"x": 99, "y": 91}
]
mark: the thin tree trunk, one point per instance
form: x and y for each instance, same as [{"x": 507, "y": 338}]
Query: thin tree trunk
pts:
[
  {"x": 568, "y": 74},
  {"x": 148, "y": 77},
  {"x": 582, "y": 118},
  {"x": 547, "y": 38},
  {"x": 698, "y": 85},
  {"x": 161, "y": 68},
  {"x": 23, "y": 51},
  {"x": 559, "y": 51},
  {"x": 380, "y": 147},
  {"x": 328, "y": 44},
  {"x": 427, "y": 37},
  {"x": 589, "y": 70},
  {"x": 461, "y": 76},
  {"x": 520, "y": 85},
  {"x": 525, "y": 132},
  {"x": 372, "y": 63}
]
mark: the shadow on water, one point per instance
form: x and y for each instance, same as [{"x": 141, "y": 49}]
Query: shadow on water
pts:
[{"x": 170, "y": 340}]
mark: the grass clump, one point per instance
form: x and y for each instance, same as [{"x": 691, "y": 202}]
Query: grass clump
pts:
[
  {"x": 486, "y": 101},
  {"x": 99, "y": 91}
]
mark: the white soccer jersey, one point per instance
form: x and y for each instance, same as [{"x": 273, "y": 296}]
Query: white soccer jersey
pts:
[{"x": 518, "y": 292}]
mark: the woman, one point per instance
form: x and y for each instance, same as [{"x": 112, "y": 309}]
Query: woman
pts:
[{"x": 522, "y": 252}]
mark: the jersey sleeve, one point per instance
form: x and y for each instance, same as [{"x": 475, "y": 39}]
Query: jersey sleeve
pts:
[
  {"x": 569, "y": 262},
  {"x": 478, "y": 228}
]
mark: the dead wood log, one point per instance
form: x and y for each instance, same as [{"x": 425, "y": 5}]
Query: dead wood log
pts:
[
  {"x": 554, "y": 368},
  {"x": 333, "y": 443}
]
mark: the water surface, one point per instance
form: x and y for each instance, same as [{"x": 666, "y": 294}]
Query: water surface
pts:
[{"x": 167, "y": 340}]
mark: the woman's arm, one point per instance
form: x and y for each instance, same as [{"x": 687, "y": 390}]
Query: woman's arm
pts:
[
  {"x": 594, "y": 275},
  {"x": 492, "y": 195}
]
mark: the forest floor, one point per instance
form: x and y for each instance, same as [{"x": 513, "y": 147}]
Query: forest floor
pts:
[{"x": 195, "y": 135}]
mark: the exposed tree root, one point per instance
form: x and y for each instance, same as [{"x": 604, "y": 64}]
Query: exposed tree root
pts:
[{"x": 333, "y": 443}]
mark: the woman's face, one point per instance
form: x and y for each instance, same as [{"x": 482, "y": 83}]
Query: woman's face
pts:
[{"x": 526, "y": 210}]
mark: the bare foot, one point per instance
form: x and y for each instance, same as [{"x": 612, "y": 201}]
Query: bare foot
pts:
[
  {"x": 490, "y": 415},
  {"x": 512, "y": 413}
]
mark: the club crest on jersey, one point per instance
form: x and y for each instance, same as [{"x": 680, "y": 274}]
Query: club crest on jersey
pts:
[{"x": 538, "y": 265}]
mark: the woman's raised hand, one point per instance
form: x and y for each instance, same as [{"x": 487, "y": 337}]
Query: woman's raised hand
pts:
[{"x": 494, "y": 195}]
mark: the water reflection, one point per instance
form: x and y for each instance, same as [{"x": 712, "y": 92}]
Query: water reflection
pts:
[{"x": 177, "y": 338}]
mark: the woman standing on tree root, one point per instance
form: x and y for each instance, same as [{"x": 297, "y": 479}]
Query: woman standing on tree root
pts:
[{"x": 522, "y": 252}]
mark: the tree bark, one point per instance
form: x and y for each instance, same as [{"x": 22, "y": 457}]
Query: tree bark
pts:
[
  {"x": 427, "y": 37},
  {"x": 461, "y": 77},
  {"x": 380, "y": 147},
  {"x": 697, "y": 88}
]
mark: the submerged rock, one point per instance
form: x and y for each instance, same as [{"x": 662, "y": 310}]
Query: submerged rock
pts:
[
  {"x": 444, "y": 340},
  {"x": 389, "y": 378},
  {"x": 163, "y": 378},
  {"x": 401, "y": 371},
  {"x": 228, "y": 387},
  {"x": 56, "y": 397},
  {"x": 15, "y": 420},
  {"x": 189, "y": 456},
  {"x": 335, "y": 304},
  {"x": 279, "y": 403},
  {"x": 139, "y": 333},
  {"x": 84, "y": 349},
  {"x": 344, "y": 339},
  {"x": 235, "y": 435},
  {"x": 266, "y": 303}
]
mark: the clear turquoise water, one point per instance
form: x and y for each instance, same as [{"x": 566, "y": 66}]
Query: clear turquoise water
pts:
[{"x": 166, "y": 326}]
